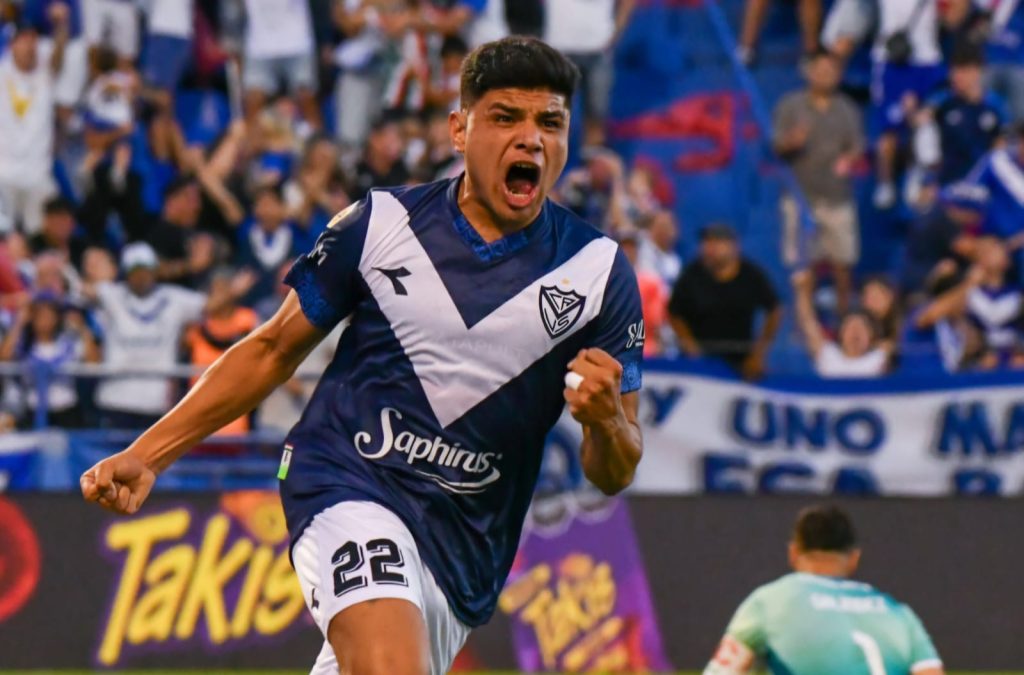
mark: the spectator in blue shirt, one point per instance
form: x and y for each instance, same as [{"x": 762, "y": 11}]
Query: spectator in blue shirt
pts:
[
  {"x": 1005, "y": 53},
  {"x": 1001, "y": 173},
  {"x": 960, "y": 124}
]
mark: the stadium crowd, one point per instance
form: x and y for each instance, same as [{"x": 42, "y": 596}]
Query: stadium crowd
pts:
[{"x": 162, "y": 162}]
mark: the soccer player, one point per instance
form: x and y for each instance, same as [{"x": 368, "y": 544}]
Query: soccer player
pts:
[
  {"x": 817, "y": 621},
  {"x": 478, "y": 310}
]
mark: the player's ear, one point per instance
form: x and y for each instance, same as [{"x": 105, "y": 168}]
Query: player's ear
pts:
[
  {"x": 853, "y": 562},
  {"x": 794, "y": 554},
  {"x": 457, "y": 120}
]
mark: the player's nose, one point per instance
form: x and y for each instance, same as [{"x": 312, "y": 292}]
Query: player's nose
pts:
[{"x": 529, "y": 138}]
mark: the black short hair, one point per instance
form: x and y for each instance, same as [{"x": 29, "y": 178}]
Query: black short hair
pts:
[
  {"x": 177, "y": 184},
  {"x": 274, "y": 190},
  {"x": 454, "y": 45},
  {"x": 824, "y": 528},
  {"x": 516, "y": 62},
  {"x": 967, "y": 54},
  {"x": 58, "y": 204}
]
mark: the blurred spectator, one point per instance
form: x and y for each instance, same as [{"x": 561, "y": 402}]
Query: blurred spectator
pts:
[
  {"x": 279, "y": 48},
  {"x": 28, "y": 71},
  {"x": 943, "y": 234},
  {"x": 819, "y": 133},
  {"x": 114, "y": 24},
  {"x": 1005, "y": 52},
  {"x": 185, "y": 254},
  {"x": 381, "y": 164},
  {"x": 857, "y": 351},
  {"x": 988, "y": 299},
  {"x": 879, "y": 300},
  {"x": 224, "y": 324},
  {"x": 440, "y": 160},
  {"x": 715, "y": 303},
  {"x": 808, "y": 12},
  {"x": 596, "y": 191},
  {"x": 368, "y": 28},
  {"x": 908, "y": 68},
  {"x": 170, "y": 26},
  {"x": 316, "y": 191},
  {"x": 109, "y": 113},
  {"x": 1001, "y": 174},
  {"x": 143, "y": 322},
  {"x": 58, "y": 232},
  {"x": 12, "y": 287},
  {"x": 74, "y": 74},
  {"x": 959, "y": 125},
  {"x": 443, "y": 91},
  {"x": 653, "y": 297},
  {"x": 267, "y": 242},
  {"x": 46, "y": 336},
  {"x": 657, "y": 243},
  {"x": 586, "y": 31}
]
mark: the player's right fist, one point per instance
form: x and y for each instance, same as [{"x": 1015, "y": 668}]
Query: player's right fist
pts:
[{"x": 120, "y": 483}]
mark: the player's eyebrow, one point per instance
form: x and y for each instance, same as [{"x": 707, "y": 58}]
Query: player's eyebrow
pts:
[{"x": 507, "y": 109}]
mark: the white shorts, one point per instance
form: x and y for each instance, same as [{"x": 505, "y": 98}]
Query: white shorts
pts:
[{"x": 359, "y": 551}]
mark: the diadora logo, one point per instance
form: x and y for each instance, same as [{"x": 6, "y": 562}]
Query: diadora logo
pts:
[
  {"x": 434, "y": 451},
  {"x": 559, "y": 309},
  {"x": 637, "y": 334},
  {"x": 394, "y": 276}
]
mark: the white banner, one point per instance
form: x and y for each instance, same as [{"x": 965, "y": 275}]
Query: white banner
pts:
[{"x": 919, "y": 436}]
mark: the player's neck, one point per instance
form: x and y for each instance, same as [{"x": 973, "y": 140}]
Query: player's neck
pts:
[
  {"x": 823, "y": 565},
  {"x": 482, "y": 220}
]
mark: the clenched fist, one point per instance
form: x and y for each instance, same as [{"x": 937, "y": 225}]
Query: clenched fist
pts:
[{"x": 598, "y": 397}]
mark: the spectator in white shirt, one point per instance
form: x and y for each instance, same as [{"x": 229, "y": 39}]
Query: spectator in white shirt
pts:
[
  {"x": 908, "y": 68},
  {"x": 115, "y": 24},
  {"x": 586, "y": 32},
  {"x": 142, "y": 325},
  {"x": 278, "y": 48},
  {"x": 856, "y": 353},
  {"x": 27, "y": 77},
  {"x": 656, "y": 248}
]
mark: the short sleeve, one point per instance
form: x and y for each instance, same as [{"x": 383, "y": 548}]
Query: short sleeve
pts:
[
  {"x": 325, "y": 279},
  {"x": 922, "y": 651},
  {"x": 747, "y": 624},
  {"x": 765, "y": 293},
  {"x": 106, "y": 294},
  {"x": 784, "y": 118},
  {"x": 680, "y": 303},
  {"x": 190, "y": 303},
  {"x": 620, "y": 325}
]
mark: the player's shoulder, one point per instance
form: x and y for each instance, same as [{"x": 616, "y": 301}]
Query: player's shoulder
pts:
[
  {"x": 412, "y": 197},
  {"x": 573, "y": 232}
]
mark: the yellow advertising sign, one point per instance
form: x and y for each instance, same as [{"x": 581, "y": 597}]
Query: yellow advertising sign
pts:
[{"x": 167, "y": 581}]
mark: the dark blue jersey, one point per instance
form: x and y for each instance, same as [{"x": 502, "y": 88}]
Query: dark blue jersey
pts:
[
  {"x": 968, "y": 130},
  {"x": 451, "y": 373}
]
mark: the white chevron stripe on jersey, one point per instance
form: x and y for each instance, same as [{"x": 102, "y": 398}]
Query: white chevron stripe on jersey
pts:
[{"x": 458, "y": 367}]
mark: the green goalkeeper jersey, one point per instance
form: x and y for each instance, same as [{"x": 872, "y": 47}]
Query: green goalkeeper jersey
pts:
[{"x": 803, "y": 624}]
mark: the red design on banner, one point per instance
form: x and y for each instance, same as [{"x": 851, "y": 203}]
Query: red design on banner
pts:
[
  {"x": 19, "y": 559},
  {"x": 710, "y": 118}
]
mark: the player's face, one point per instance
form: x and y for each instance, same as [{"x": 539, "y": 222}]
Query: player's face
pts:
[{"x": 516, "y": 142}]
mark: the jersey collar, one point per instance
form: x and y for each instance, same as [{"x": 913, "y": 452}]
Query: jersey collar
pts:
[{"x": 507, "y": 245}]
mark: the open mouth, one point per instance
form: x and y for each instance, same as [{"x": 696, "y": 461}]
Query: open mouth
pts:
[{"x": 521, "y": 183}]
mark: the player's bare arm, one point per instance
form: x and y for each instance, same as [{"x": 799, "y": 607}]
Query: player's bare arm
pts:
[
  {"x": 234, "y": 385},
  {"x": 612, "y": 441}
]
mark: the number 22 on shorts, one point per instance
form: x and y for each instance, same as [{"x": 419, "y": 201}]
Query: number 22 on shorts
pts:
[{"x": 384, "y": 557}]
